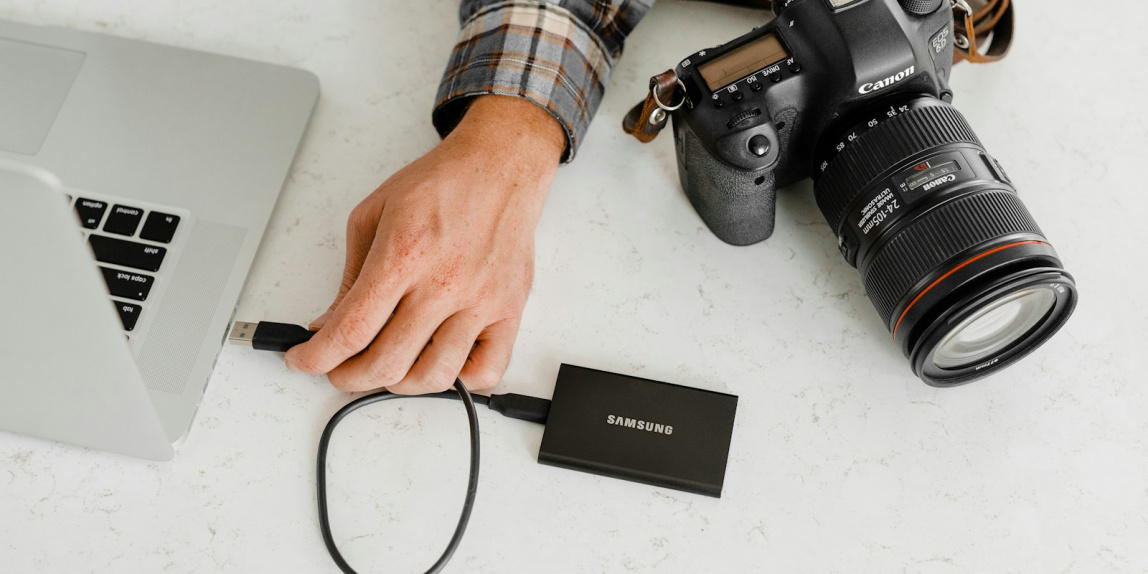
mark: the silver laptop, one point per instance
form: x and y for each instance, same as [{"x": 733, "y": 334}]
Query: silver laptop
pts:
[{"x": 136, "y": 181}]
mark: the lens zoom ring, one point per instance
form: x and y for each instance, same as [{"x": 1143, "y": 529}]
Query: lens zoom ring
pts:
[
  {"x": 886, "y": 145},
  {"x": 938, "y": 236}
]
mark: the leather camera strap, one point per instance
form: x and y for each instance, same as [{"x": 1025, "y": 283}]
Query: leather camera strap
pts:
[
  {"x": 977, "y": 23},
  {"x": 650, "y": 116}
]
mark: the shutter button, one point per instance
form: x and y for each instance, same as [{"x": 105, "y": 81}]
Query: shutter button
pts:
[{"x": 759, "y": 145}]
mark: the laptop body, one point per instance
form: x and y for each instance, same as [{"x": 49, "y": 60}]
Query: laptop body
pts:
[{"x": 136, "y": 178}]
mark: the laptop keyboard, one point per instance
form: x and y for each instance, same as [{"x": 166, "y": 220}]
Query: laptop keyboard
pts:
[{"x": 128, "y": 242}]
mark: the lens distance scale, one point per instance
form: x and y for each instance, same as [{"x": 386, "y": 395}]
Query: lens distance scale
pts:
[{"x": 942, "y": 173}]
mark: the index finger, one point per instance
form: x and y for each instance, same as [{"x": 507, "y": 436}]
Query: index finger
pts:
[{"x": 354, "y": 324}]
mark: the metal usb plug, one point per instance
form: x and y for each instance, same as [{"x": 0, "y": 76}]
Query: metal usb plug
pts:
[{"x": 242, "y": 333}]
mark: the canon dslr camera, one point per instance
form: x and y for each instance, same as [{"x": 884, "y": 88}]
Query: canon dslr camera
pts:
[{"x": 855, "y": 94}]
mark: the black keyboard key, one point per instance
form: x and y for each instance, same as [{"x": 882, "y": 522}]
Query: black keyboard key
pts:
[
  {"x": 128, "y": 285},
  {"x": 90, "y": 212},
  {"x": 159, "y": 227},
  {"x": 123, "y": 220},
  {"x": 127, "y": 253},
  {"x": 129, "y": 314}
]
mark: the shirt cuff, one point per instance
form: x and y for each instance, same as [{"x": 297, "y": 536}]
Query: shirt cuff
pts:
[{"x": 531, "y": 50}]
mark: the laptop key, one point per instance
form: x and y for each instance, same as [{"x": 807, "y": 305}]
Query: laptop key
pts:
[
  {"x": 127, "y": 253},
  {"x": 126, "y": 284},
  {"x": 159, "y": 227},
  {"x": 129, "y": 314},
  {"x": 90, "y": 212},
  {"x": 123, "y": 220}
]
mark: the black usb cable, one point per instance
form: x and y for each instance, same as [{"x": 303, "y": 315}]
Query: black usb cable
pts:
[{"x": 268, "y": 336}]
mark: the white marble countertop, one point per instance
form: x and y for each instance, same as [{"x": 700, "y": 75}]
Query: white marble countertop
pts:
[{"x": 842, "y": 460}]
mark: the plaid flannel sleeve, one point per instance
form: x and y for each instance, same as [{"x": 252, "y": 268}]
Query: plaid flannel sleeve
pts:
[{"x": 556, "y": 53}]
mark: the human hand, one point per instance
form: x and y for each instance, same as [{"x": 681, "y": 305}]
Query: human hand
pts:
[{"x": 440, "y": 259}]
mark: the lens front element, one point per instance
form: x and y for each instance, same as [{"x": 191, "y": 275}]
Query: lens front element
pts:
[{"x": 993, "y": 328}]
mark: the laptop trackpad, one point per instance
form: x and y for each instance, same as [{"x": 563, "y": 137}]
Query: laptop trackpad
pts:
[{"x": 36, "y": 80}]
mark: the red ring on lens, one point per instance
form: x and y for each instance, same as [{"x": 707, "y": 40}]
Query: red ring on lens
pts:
[{"x": 954, "y": 270}]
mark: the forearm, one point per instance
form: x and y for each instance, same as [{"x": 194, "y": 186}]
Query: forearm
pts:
[
  {"x": 509, "y": 127},
  {"x": 557, "y": 54},
  {"x": 515, "y": 147}
]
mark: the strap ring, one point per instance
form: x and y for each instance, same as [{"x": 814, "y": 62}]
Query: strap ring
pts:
[{"x": 674, "y": 108}]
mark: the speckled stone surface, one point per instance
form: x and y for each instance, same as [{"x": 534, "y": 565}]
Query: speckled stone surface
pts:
[{"x": 842, "y": 461}]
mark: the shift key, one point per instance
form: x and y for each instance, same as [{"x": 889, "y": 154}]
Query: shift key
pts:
[
  {"x": 127, "y": 253},
  {"x": 127, "y": 284}
]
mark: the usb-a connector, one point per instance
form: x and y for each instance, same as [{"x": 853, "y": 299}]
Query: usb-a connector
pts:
[
  {"x": 242, "y": 333},
  {"x": 268, "y": 336}
]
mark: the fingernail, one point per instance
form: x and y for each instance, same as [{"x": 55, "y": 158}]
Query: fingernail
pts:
[{"x": 320, "y": 321}]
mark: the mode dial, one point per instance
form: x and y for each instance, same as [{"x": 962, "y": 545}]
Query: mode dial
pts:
[{"x": 921, "y": 7}]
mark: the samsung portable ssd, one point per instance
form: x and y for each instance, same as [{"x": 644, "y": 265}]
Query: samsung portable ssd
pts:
[{"x": 639, "y": 430}]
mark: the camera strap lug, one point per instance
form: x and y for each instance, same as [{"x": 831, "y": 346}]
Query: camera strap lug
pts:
[
  {"x": 979, "y": 22},
  {"x": 648, "y": 118}
]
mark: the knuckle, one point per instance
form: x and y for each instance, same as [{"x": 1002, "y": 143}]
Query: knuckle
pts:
[
  {"x": 440, "y": 381},
  {"x": 360, "y": 219},
  {"x": 484, "y": 377},
  {"x": 482, "y": 293},
  {"x": 348, "y": 382},
  {"x": 385, "y": 371},
  {"x": 348, "y": 281},
  {"x": 342, "y": 382},
  {"x": 442, "y": 375},
  {"x": 308, "y": 363},
  {"x": 451, "y": 273},
  {"x": 353, "y": 333},
  {"x": 409, "y": 245},
  {"x": 377, "y": 292}
]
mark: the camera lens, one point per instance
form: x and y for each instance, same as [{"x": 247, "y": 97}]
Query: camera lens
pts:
[
  {"x": 993, "y": 328},
  {"x": 951, "y": 258}
]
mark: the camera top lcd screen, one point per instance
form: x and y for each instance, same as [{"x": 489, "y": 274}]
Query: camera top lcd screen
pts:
[{"x": 729, "y": 68}]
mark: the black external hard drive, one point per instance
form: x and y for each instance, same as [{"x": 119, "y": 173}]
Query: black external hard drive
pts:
[{"x": 640, "y": 430}]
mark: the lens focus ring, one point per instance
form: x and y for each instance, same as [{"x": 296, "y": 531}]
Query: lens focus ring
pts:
[
  {"x": 882, "y": 148},
  {"x": 938, "y": 236}
]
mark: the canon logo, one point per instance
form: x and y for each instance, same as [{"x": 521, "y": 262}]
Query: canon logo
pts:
[
  {"x": 639, "y": 425},
  {"x": 939, "y": 181},
  {"x": 874, "y": 86}
]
